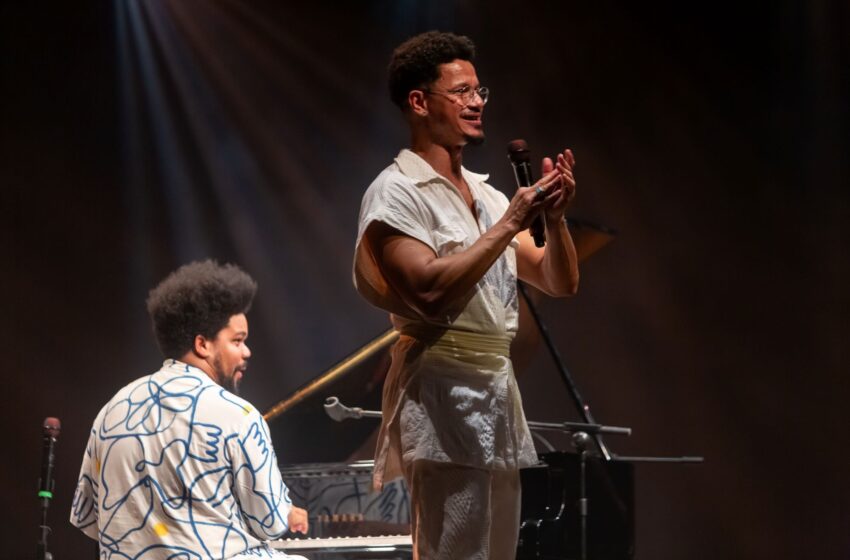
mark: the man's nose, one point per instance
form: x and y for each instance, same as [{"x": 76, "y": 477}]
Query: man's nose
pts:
[{"x": 477, "y": 100}]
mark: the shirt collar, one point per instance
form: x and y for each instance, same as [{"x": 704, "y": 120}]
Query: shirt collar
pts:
[
  {"x": 181, "y": 368},
  {"x": 413, "y": 166}
]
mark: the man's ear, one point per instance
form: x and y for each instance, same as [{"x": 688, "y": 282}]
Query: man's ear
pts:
[
  {"x": 201, "y": 346},
  {"x": 416, "y": 102}
]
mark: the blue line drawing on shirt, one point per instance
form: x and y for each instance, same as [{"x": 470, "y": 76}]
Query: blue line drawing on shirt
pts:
[{"x": 181, "y": 464}]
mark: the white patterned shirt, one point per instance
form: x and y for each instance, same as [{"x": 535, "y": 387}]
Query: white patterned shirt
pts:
[{"x": 178, "y": 467}]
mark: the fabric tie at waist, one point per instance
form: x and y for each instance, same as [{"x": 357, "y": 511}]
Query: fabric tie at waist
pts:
[{"x": 458, "y": 343}]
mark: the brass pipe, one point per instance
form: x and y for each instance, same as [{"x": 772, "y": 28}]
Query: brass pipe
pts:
[{"x": 332, "y": 374}]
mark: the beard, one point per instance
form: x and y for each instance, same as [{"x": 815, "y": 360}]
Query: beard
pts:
[
  {"x": 231, "y": 384},
  {"x": 229, "y": 381}
]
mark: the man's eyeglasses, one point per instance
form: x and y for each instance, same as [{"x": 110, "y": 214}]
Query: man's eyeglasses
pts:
[{"x": 463, "y": 94}]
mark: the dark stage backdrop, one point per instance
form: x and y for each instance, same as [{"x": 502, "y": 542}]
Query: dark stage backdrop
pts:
[{"x": 138, "y": 136}]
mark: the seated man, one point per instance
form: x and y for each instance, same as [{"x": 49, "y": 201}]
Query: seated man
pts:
[{"x": 177, "y": 465}]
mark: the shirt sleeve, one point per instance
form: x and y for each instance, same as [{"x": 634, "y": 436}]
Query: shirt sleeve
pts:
[
  {"x": 85, "y": 503},
  {"x": 257, "y": 484},
  {"x": 395, "y": 201},
  {"x": 392, "y": 200}
]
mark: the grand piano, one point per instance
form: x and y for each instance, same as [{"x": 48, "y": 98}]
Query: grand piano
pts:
[{"x": 348, "y": 520}]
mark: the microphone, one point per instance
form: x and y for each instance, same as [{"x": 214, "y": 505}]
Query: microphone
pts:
[
  {"x": 339, "y": 412},
  {"x": 52, "y": 427},
  {"x": 518, "y": 154}
]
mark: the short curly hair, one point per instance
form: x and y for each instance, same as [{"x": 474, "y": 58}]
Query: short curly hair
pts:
[
  {"x": 197, "y": 298},
  {"x": 416, "y": 62}
]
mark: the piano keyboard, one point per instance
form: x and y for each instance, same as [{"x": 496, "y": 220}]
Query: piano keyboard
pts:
[{"x": 338, "y": 544}]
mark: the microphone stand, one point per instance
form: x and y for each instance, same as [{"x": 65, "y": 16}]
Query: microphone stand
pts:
[
  {"x": 41, "y": 546},
  {"x": 583, "y": 408},
  {"x": 45, "y": 494},
  {"x": 582, "y": 435},
  {"x": 581, "y": 438}
]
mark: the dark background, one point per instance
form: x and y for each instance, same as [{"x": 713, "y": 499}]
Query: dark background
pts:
[{"x": 138, "y": 136}]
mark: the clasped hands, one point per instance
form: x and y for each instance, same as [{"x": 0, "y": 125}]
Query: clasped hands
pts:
[{"x": 552, "y": 193}]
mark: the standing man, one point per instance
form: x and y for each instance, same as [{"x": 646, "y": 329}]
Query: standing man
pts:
[
  {"x": 441, "y": 250},
  {"x": 178, "y": 466}
]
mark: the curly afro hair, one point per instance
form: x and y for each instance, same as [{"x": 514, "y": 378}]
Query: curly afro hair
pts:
[
  {"x": 197, "y": 298},
  {"x": 416, "y": 62}
]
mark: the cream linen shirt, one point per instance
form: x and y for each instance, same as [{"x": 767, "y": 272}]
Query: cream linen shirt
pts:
[{"x": 450, "y": 394}]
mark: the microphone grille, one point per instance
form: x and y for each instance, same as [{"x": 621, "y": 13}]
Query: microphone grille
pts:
[
  {"x": 518, "y": 150},
  {"x": 334, "y": 409},
  {"x": 52, "y": 427}
]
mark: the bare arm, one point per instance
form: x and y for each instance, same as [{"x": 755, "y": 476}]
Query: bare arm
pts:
[
  {"x": 432, "y": 284},
  {"x": 553, "y": 269}
]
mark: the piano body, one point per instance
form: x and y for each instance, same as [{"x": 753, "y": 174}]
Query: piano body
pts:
[
  {"x": 550, "y": 527},
  {"x": 347, "y": 518}
]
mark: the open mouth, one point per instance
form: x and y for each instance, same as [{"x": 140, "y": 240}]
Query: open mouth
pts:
[{"x": 472, "y": 118}]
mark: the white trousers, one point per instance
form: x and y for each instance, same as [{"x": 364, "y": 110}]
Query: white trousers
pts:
[{"x": 462, "y": 512}]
